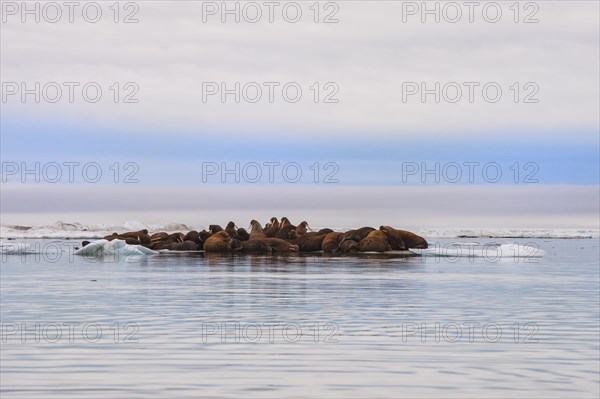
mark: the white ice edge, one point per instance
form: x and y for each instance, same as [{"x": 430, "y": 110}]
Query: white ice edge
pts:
[
  {"x": 98, "y": 248},
  {"x": 64, "y": 230},
  {"x": 101, "y": 248}
]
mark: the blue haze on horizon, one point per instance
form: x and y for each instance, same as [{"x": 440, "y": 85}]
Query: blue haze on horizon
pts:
[{"x": 176, "y": 159}]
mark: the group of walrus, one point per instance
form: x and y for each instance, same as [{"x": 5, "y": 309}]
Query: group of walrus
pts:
[{"x": 277, "y": 237}]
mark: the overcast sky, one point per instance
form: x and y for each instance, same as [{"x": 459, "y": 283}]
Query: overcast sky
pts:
[
  {"x": 369, "y": 67},
  {"x": 368, "y": 54}
]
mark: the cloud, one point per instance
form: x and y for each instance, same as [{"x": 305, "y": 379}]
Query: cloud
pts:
[{"x": 368, "y": 55}]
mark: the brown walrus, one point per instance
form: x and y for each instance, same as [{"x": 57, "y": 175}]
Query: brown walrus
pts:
[
  {"x": 171, "y": 246},
  {"x": 310, "y": 242},
  {"x": 273, "y": 227},
  {"x": 395, "y": 240},
  {"x": 192, "y": 236},
  {"x": 325, "y": 230},
  {"x": 376, "y": 241},
  {"x": 256, "y": 230},
  {"x": 214, "y": 228},
  {"x": 278, "y": 245},
  {"x": 189, "y": 246},
  {"x": 256, "y": 245},
  {"x": 358, "y": 234},
  {"x": 158, "y": 236},
  {"x": 111, "y": 237},
  {"x": 156, "y": 239},
  {"x": 204, "y": 235},
  {"x": 301, "y": 229},
  {"x": 132, "y": 237},
  {"x": 145, "y": 240},
  {"x": 178, "y": 246},
  {"x": 131, "y": 240},
  {"x": 231, "y": 229},
  {"x": 348, "y": 246},
  {"x": 242, "y": 234},
  {"x": 331, "y": 242},
  {"x": 134, "y": 234},
  {"x": 218, "y": 242},
  {"x": 410, "y": 240},
  {"x": 285, "y": 227},
  {"x": 175, "y": 237}
]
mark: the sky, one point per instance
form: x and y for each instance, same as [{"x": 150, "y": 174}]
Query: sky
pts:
[{"x": 380, "y": 98}]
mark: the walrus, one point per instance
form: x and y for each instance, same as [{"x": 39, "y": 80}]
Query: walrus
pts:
[
  {"x": 218, "y": 242},
  {"x": 331, "y": 242},
  {"x": 325, "y": 230},
  {"x": 204, "y": 235},
  {"x": 273, "y": 227},
  {"x": 395, "y": 240},
  {"x": 376, "y": 241},
  {"x": 410, "y": 240},
  {"x": 348, "y": 246},
  {"x": 256, "y": 246},
  {"x": 188, "y": 246},
  {"x": 236, "y": 245},
  {"x": 214, "y": 228},
  {"x": 301, "y": 229},
  {"x": 178, "y": 246},
  {"x": 231, "y": 229},
  {"x": 171, "y": 246},
  {"x": 279, "y": 245},
  {"x": 128, "y": 239},
  {"x": 134, "y": 234},
  {"x": 157, "y": 240},
  {"x": 285, "y": 227},
  {"x": 132, "y": 237},
  {"x": 358, "y": 234},
  {"x": 310, "y": 242},
  {"x": 242, "y": 234},
  {"x": 158, "y": 235},
  {"x": 192, "y": 236},
  {"x": 175, "y": 237},
  {"x": 145, "y": 240},
  {"x": 111, "y": 237},
  {"x": 256, "y": 230}
]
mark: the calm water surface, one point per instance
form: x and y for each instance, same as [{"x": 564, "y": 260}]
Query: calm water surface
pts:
[{"x": 187, "y": 325}]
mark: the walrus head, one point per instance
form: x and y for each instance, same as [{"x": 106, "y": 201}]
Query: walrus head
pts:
[
  {"x": 231, "y": 225},
  {"x": 214, "y": 228},
  {"x": 255, "y": 226},
  {"x": 284, "y": 221},
  {"x": 302, "y": 228}
]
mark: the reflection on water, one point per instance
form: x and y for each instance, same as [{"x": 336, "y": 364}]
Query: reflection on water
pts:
[{"x": 190, "y": 325}]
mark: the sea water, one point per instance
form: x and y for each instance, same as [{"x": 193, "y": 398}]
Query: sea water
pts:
[{"x": 449, "y": 323}]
